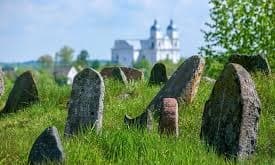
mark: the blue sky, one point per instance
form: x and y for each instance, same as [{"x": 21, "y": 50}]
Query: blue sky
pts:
[{"x": 29, "y": 29}]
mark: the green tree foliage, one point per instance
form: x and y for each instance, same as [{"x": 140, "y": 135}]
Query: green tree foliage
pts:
[
  {"x": 82, "y": 58},
  {"x": 243, "y": 26},
  {"x": 65, "y": 55},
  {"x": 144, "y": 65},
  {"x": 46, "y": 61},
  {"x": 95, "y": 64}
]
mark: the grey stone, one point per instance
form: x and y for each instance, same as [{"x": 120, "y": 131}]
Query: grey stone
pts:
[
  {"x": 231, "y": 115},
  {"x": 252, "y": 63},
  {"x": 86, "y": 102},
  {"x": 168, "y": 121},
  {"x": 47, "y": 148},
  {"x": 23, "y": 93},
  {"x": 2, "y": 83},
  {"x": 119, "y": 75},
  {"x": 158, "y": 74},
  {"x": 182, "y": 85}
]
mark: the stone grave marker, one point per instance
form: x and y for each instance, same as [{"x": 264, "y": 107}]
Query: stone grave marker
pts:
[
  {"x": 86, "y": 102},
  {"x": 23, "y": 93},
  {"x": 47, "y": 148},
  {"x": 158, "y": 74},
  {"x": 231, "y": 115}
]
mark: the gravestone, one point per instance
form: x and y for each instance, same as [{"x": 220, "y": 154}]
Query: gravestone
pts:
[
  {"x": 119, "y": 75},
  {"x": 130, "y": 73},
  {"x": 158, "y": 74},
  {"x": 182, "y": 85},
  {"x": 23, "y": 93},
  {"x": 252, "y": 63},
  {"x": 47, "y": 148},
  {"x": 86, "y": 102},
  {"x": 231, "y": 115},
  {"x": 168, "y": 122},
  {"x": 2, "y": 83}
]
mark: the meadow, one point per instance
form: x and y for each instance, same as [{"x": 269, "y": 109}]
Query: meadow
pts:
[{"x": 118, "y": 144}]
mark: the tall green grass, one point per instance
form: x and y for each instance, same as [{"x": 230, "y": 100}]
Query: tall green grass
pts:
[{"x": 119, "y": 145}]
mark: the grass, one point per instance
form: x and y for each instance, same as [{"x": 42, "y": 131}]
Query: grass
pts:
[{"x": 119, "y": 145}]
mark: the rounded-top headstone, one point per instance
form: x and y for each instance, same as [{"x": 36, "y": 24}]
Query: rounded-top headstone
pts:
[
  {"x": 86, "y": 102},
  {"x": 130, "y": 73},
  {"x": 231, "y": 115},
  {"x": 23, "y": 93},
  {"x": 252, "y": 63},
  {"x": 119, "y": 75},
  {"x": 47, "y": 148},
  {"x": 158, "y": 74}
]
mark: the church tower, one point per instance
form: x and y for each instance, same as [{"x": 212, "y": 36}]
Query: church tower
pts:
[
  {"x": 155, "y": 32},
  {"x": 173, "y": 34}
]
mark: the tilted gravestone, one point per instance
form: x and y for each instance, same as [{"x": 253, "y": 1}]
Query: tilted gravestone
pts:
[
  {"x": 47, "y": 148},
  {"x": 231, "y": 115},
  {"x": 168, "y": 121},
  {"x": 23, "y": 93},
  {"x": 86, "y": 102},
  {"x": 2, "y": 83},
  {"x": 119, "y": 75},
  {"x": 158, "y": 74},
  {"x": 130, "y": 73},
  {"x": 182, "y": 85},
  {"x": 252, "y": 63}
]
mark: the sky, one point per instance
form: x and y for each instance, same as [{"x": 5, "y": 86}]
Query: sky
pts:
[{"x": 31, "y": 28}]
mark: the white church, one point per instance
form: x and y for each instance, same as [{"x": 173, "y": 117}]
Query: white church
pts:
[{"x": 157, "y": 47}]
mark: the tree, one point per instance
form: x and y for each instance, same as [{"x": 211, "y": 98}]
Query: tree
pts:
[
  {"x": 95, "y": 64},
  {"x": 46, "y": 61},
  {"x": 144, "y": 65},
  {"x": 65, "y": 55},
  {"x": 243, "y": 26},
  {"x": 82, "y": 58}
]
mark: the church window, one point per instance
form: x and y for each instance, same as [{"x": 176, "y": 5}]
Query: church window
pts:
[
  {"x": 167, "y": 56},
  {"x": 153, "y": 45}
]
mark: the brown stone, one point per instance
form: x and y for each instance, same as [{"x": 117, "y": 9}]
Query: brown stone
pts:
[
  {"x": 130, "y": 73},
  {"x": 23, "y": 93},
  {"x": 231, "y": 115},
  {"x": 168, "y": 122},
  {"x": 86, "y": 102},
  {"x": 182, "y": 85},
  {"x": 252, "y": 63}
]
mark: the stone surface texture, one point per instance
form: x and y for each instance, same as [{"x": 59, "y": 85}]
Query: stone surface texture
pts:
[
  {"x": 182, "y": 85},
  {"x": 47, "y": 148},
  {"x": 252, "y": 63},
  {"x": 130, "y": 73},
  {"x": 86, "y": 102},
  {"x": 23, "y": 93},
  {"x": 168, "y": 122},
  {"x": 158, "y": 74},
  {"x": 231, "y": 115},
  {"x": 119, "y": 75}
]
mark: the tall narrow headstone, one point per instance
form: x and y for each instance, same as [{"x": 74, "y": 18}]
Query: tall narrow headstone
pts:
[
  {"x": 168, "y": 121},
  {"x": 182, "y": 85},
  {"x": 158, "y": 74},
  {"x": 2, "y": 83},
  {"x": 231, "y": 115},
  {"x": 86, "y": 102},
  {"x": 252, "y": 63},
  {"x": 23, "y": 93},
  {"x": 47, "y": 148}
]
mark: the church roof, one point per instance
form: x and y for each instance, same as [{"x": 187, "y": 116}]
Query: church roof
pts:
[
  {"x": 134, "y": 43},
  {"x": 172, "y": 26},
  {"x": 155, "y": 26}
]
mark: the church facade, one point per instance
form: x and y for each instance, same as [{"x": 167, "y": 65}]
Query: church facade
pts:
[{"x": 157, "y": 47}]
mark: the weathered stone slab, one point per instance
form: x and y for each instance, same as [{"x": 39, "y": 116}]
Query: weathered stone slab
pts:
[
  {"x": 47, "y": 148},
  {"x": 231, "y": 115},
  {"x": 119, "y": 75},
  {"x": 182, "y": 85},
  {"x": 23, "y": 93},
  {"x": 252, "y": 63},
  {"x": 130, "y": 73},
  {"x": 168, "y": 122},
  {"x": 158, "y": 74},
  {"x": 86, "y": 102},
  {"x": 2, "y": 83}
]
